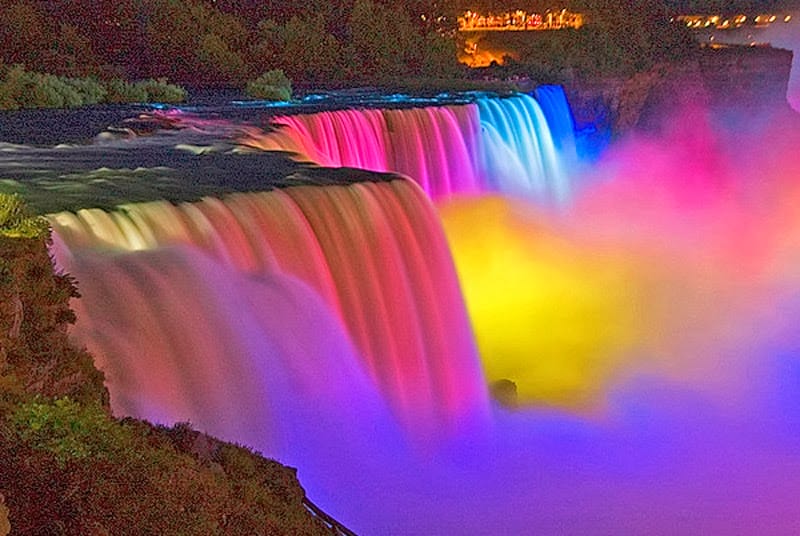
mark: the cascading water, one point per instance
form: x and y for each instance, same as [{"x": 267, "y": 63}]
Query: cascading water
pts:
[
  {"x": 259, "y": 360},
  {"x": 435, "y": 146},
  {"x": 374, "y": 253},
  {"x": 495, "y": 144},
  {"x": 519, "y": 156},
  {"x": 555, "y": 107}
]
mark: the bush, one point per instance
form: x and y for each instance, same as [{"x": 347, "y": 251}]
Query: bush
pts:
[
  {"x": 25, "y": 89},
  {"x": 16, "y": 221},
  {"x": 13, "y": 87},
  {"x": 162, "y": 91},
  {"x": 73, "y": 466},
  {"x": 119, "y": 91},
  {"x": 272, "y": 85},
  {"x": 90, "y": 89},
  {"x": 68, "y": 430}
]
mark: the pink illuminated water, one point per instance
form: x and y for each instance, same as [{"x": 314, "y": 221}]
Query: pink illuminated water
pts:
[
  {"x": 373, "y": 253},
  {"x": 257, "y": 359},
  {"x": 495, "y": 144}
]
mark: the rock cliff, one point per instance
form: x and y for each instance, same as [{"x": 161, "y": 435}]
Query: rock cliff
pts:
[{"x": 731, "y": 80}]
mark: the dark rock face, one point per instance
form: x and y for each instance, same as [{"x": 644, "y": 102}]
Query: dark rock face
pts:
[
  {"x": 755, "y": 76},
  {"x": 734, "y": 80},
  {"x": 607, "y": 107},
  {"x": 734, "y": 83}
]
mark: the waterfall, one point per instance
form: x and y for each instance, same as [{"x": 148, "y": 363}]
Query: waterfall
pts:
[
  {"x": 436, "y": 146},
  {"x": 494, "y": 144},
  {"x": 556, "y": 110},
  {"x": 650, "y": 320},
  {"x": 369, "y": 258},
  {"x": 182, "y": 337},
  {"x": 519, "y": 155}
]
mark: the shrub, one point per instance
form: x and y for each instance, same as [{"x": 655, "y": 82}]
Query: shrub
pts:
[
  {"x": 7, "y": 101},
  {"x": 90, "y": 89},
  {"x": 13, "y": 88},
  {"x": 68, "y": 430},
  {"x": 25, "y": 89},
  {"x": 118, "y": 91},
  {"x": 16, "y": 221},
  {"x": 272, "y": 85},
  {"x": 162, "y": 91}
]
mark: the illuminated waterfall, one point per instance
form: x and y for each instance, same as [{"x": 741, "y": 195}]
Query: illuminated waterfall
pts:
[
  {"x": 650, "y": 321},
  {"x": 519, "y": 156},
  {"x": 555, "y": 107},
  {"x": 494, "y": 144},
  {"x": 373, "y": 253},
  {"x": 183, "y": 337}
]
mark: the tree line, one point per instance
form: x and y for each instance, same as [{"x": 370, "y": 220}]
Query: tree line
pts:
[{"x": 225, "y": 44}]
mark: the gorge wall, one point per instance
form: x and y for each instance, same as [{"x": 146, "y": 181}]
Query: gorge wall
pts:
[{"x": 731, "y": 79}]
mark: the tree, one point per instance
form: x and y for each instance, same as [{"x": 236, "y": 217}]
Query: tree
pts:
[
  {"x": 310, "y": 54},
  {"x": 382, "y": 39},
  {"x": 640, "y": 29},
  {"x": 71, "y": 54},
  {"x": 218, "y": 64},
  {"x": 24, "y": 33},
  {"x": 192, "y": 43},
  {"x": 440, "y": 57}
]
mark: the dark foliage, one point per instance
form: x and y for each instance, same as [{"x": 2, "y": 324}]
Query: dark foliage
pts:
[
  {"x": 36, "y": 355},
  {"x": 225, "y": 44}
]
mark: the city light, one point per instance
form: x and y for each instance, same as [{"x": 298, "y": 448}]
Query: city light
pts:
[
  {"x": 519, "y": 20},
  {"x": 701, "y": 21}
]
